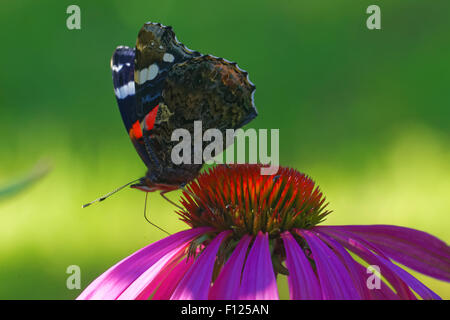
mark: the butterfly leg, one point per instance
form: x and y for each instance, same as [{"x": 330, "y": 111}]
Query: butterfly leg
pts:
[
  {"x": 156, "y": 165},
  {"x": 183, "y": 187},
  {"x": 148, "y": 220},
  {"x": 162, "y": 193}
]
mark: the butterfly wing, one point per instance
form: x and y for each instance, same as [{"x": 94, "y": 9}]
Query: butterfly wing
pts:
[
  {"x": 122, "y": 67},
  {"x": 157, "y": 51},
  {"x": 160, "y": 63},
  {"x": 138, "y": 77}
]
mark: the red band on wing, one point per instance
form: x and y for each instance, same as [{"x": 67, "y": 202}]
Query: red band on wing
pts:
[
  {"x": 136, "y": 130},
  {"x": 150, "y": 118}
]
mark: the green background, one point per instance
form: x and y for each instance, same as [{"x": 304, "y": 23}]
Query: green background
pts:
[{"x": 365, "y": 113}]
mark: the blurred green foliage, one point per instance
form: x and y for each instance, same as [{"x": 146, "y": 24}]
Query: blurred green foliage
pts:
[
  {"x": 20, "y": 184},
  {"x": 365, "y": 113}
]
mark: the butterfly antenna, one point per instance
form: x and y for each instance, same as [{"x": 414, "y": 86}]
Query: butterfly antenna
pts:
[
  {"x": 148, "y": 220},
  {"x": 110, "y": 193}
]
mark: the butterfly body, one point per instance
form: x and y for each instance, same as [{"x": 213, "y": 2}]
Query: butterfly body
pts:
[{"x": 161, "y": 86}]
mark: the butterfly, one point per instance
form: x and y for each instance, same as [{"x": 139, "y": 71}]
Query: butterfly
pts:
[{"x": 160, "y": 85}]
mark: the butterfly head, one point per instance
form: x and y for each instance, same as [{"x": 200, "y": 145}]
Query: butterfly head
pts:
[{"x": 153, "y": 41}]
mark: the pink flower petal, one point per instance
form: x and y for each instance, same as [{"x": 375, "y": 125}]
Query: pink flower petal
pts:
[
  {"x": 415, "y": 249},
  {"x": 258, "y": 278},
  {"x": 374, "y": 256},
  {"x": 116, "y": 279},
  {"x": 383, "y": 293},
  {"x": 168, "y": 285},
  {"x": 147, "y": 282},
  {"x": 412, "y": 282},
  {"x": 415, "y": 284},
  {"x": 226, "y": 286},
  {"x": 197, "y": 280},
  {"x": 357, "y": 272},
  {"x": 303, "y": 283},
  {"x": 335, "y": 281}
]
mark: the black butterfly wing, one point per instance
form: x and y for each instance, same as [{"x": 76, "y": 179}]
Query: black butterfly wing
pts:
[
  {"x": 157, "y": 51},
  {"x": 140, "y": 77},
  {"x": 122, "y": 67}
]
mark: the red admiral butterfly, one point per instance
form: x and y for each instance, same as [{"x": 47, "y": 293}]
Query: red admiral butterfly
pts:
[{"x": 161, "y": 85}]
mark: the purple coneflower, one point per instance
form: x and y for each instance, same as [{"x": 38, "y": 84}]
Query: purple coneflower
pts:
[{"x": 246, "y": 229}]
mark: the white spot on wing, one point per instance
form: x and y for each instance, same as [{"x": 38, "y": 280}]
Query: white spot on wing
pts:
[
  {"x": 152, "y": 72},
  {"x": 147, "y": 74},
  {"x": 168, "y": 57},
  {"x": 142, "y": 75},
  {"x": 116, "y": 68},
  {"x": 125, "y": 90}
]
